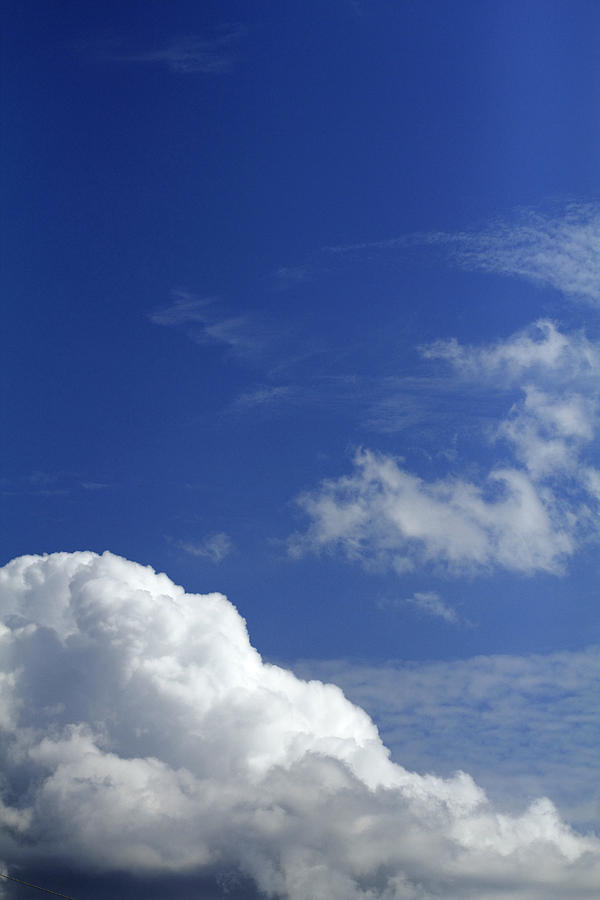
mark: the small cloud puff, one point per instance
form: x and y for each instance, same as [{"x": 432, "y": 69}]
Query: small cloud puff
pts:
[
  {"x": 214, "y": 547},
  {"x": 430, "y": 603}
]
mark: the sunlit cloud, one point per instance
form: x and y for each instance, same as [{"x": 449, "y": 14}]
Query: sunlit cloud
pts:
[
  {"x": 141, "y": 732},
  {"x": 521, "y": 515},
  {"x": 425, "y": 603},
  {"x": 524, "y": 724},
  {"x": 383, "y": 516},
  {"x": 540, "y": 350}
]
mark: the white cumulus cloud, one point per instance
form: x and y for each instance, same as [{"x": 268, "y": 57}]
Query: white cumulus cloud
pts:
[
  {"x": 532, "y": 509},
  {"x": 142, "y": 734},
  {"x": 540, "y": 350},
  {"x": 385, "y": 516}
]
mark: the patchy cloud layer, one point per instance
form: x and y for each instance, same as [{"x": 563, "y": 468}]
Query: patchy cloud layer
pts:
[
  {"x": 142, "y": 733},
  {"x": 523, "y": 725},
  {"x": 532, "y": 509}
]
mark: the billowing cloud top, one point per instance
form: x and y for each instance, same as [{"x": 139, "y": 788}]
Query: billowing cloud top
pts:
[{"x": 142, "y": 733}]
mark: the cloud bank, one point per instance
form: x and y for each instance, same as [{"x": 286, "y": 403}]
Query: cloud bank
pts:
[
  {"x": 530, "y": 512},
  {"x": 142, "y": 733}
]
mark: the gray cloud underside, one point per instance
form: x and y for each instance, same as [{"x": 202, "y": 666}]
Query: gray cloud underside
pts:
[{"x": 141, "y": 733}]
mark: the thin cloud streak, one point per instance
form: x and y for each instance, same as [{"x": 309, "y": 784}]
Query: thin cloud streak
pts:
[
  {"x": 188, "y": 55},
  {"x": 264, "y": 397},
  {"x": 386, "y": 405},
  {"x": 214, "y": 547},
  {"x": 428, "y": 603},
  {"x": 431, "y": 604},
  {"x": 290, "y": 276},
  {"x": 202, "y": 321},
  {"x": 560, "y": 251}
]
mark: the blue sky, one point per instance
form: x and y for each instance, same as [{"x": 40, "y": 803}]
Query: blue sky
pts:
[{"x": 302, "y": 306}]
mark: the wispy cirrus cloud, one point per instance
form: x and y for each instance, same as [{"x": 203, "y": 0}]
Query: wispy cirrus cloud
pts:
[
  {"x": 214, "y": 547},
  {"x": 523, "y": 515},
  {"x": 561, "y": 251},
  {"x": 51, "y": 484},
  {"x": 383, "y": 405},
  {"x": 186, "y": 55},
  {"x": 431, "y": 604},
  {"x": 558, "y": 250},
  {"x": 428, "y": 603},
  {"x": 264, "y": 397},
  {"x": 203, "y": 320},
  {"x": 289, "y": 276}
]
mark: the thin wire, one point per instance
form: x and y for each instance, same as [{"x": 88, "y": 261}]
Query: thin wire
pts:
[{"x": 36, "y": 886}]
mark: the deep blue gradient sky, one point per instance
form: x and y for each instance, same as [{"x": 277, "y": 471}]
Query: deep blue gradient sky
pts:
[
  {"x": 238, "y": 240},
  {"x": 323, "y": 125}
]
